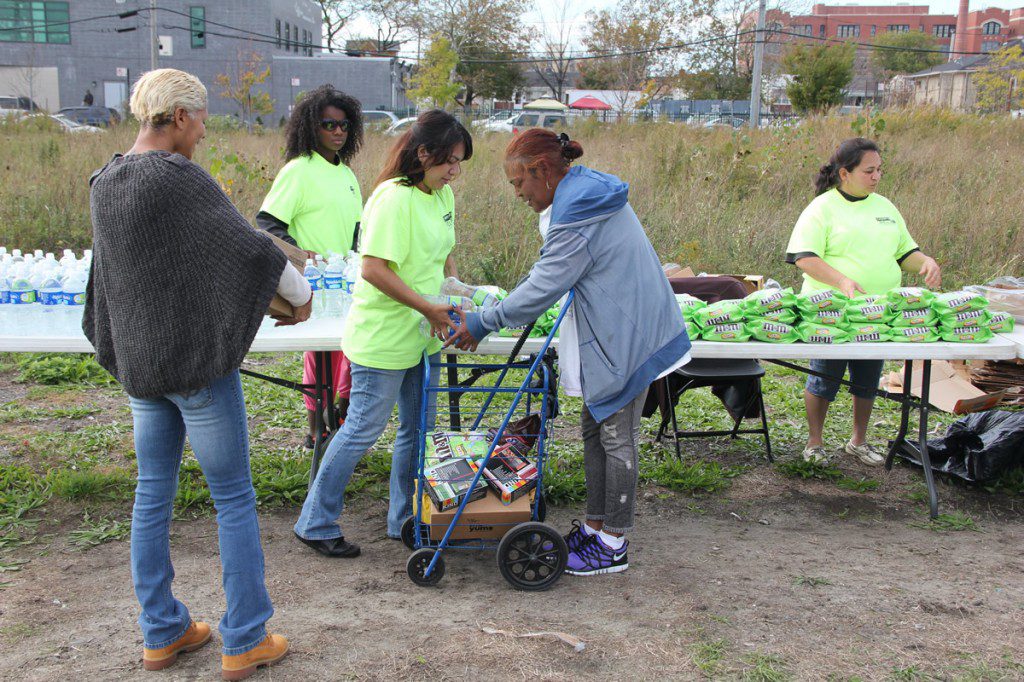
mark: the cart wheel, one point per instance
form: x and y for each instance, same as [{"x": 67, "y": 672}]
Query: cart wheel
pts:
[
  {"x": 532, "y": 556},
  {"x": 409, "y": 533},
  {"x": 417, "y": 564}
]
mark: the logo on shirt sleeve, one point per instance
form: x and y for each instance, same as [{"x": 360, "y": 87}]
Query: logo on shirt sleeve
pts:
[
  {"x": 448, "y": 217},
  {"x": 885, "y": 219}
]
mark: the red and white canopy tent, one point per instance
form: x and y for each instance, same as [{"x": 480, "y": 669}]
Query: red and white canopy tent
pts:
[{"x": 590, "y": 103}]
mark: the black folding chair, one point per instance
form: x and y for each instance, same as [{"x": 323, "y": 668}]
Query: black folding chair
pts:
[
  {"x": 737, "y": 383},
  {"x": 741, "y": 377}
]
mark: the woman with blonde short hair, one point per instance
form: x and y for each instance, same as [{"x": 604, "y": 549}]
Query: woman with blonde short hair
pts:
[{"x": 179, "y": 285}]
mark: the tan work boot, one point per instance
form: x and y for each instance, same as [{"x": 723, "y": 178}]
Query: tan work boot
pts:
[
  {"x": 195, "y": 637},
  {"x": 270, "y": 651}
]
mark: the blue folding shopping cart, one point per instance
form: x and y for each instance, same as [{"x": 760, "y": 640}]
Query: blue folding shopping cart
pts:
[{"x": 531, "y": 555}]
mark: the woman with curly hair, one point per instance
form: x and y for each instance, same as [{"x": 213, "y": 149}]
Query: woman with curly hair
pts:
[{"x": 315, "y": 202}]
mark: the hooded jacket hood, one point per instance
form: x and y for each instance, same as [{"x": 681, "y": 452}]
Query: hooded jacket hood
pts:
[{"x": 584, "y": 195}]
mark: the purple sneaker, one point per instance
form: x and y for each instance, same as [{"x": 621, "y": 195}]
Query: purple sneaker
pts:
[
  {"x": 593, "y": 557},
  {"x": 576, "y": 536}
]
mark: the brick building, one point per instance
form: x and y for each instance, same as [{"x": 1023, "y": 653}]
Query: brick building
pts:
[
  {"x": 55, "y": 51},
  {"x": 980, "y": 31},
  {"x": 983, "y": 30}
]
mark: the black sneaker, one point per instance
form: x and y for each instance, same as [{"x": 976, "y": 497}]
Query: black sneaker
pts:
[
  {"x": 593, "y": 557},
  {"x": 333, "y": 547}
]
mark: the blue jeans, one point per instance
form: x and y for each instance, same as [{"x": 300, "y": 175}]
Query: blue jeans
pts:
[
  {"x": 214, "y": 419},
  {"x": 864, "y": 375},
  {"x": 373, "y": 398}
]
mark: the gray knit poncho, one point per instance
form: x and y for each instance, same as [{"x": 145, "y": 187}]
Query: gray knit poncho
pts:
[{"x": 179, "y": 282}]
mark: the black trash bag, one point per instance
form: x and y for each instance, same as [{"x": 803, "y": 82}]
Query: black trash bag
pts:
[{"x": 980, "y": 446}]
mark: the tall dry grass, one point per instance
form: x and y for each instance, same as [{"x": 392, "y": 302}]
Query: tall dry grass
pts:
[{"x": 715, "y": 199}]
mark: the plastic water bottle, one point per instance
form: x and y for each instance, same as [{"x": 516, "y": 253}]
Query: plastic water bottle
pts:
[
  {"x": 462, "y": 302},
  {"x": 480, "y": 296},
  {"x": 22, "y": 297},
  {"x": 5, "y": 292},
  {"x": 316, "y": 284},
  {"x": 334, "y": 288},
  {"x": 74, "y": 299},
  {"x": 50, "y": 296}
]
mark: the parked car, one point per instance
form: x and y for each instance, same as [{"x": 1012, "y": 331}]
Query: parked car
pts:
[
  {"x": 497, "y": 123},
  {"x": 93, "y": 116},
  {"x": 18, "y": 103},
  {"x": 15, "y": 106},
  {"x": 70, "y": 126},
  {"x": 400, "y": 126},
  {"x": 529, "y": 119},
  {"x": 378, "y": 120},
  {"x": 726, "y": 122}
]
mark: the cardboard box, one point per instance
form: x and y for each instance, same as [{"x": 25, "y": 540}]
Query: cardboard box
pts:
[
  {"x": 297, "y": 257},
  {"x": 949, "y": 390},
  {"x": 674, "y": 270},
  {"x": 486, "y": 518},
  {"x": 751, "y": 282}
]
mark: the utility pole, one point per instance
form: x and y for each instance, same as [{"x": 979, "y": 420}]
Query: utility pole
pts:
[
  {"x": 755, "y": 83},
  {"x": 152, "y": 35}
]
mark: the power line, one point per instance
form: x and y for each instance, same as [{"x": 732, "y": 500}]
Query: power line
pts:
[{"x": 874, "y": 46}]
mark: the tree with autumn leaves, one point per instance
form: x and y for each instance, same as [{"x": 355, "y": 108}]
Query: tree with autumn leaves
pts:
[{"x": 241, "y": 86}]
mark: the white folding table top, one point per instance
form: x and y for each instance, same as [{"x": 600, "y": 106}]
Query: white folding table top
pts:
[{"x": 325, "y": 334}]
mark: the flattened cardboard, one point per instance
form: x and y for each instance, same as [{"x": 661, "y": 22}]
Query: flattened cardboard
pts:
[
  {"x": 297, "y": 257},
  {"x": 948, "y": 391}
]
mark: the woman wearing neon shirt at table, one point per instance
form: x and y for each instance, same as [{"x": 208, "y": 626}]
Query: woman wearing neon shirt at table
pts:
[
  {"x": 407, "y": 242},
  {"x": 315, "y": 203},
  {"x": 855, "y": 241}
]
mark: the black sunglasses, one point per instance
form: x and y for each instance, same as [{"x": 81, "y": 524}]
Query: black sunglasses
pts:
[{"x": 329, "y": 124}]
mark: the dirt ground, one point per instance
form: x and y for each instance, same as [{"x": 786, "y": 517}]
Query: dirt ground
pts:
[{"x": 777, "y": 578}]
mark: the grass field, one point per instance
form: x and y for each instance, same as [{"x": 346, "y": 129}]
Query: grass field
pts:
[{"x": 718, "y": 200}]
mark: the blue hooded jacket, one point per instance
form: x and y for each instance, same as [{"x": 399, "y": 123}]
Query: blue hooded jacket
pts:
[{"x": 629, "y": 326}]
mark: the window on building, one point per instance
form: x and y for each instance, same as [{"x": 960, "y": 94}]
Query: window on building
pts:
[
  {"x": 821, "y": 30},
  {"x": 197, "y": 26},
  {"x": 991, "y": 28},
  {"x": 34, "y": 22},
  {"x": 287, "y": 36},
  {"x": 899, "y": 28},
  {"x": 295, "y": 38},
  {"x": 277, "y": 31},
  {"x": 990, "y": 45},
  {"x": 874, "y": 29},
  {"x": 943, "y": 30},
  {"x": 849, "y": 31}
]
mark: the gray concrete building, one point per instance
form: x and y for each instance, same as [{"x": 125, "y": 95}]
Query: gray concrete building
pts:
[{"x": 56, "y": 51}]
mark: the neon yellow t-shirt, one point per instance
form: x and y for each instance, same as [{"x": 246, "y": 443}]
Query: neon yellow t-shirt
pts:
[
  {"x": 865, "y": 240},
  {"x": 320, "y": 203},
  {"x": 415, "y": 232}
]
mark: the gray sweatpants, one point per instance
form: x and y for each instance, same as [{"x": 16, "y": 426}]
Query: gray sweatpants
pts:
[{"x": 610, "y": 461}]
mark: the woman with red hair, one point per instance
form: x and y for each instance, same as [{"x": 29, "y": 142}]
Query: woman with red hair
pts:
[{"x": 623, "y": 330}]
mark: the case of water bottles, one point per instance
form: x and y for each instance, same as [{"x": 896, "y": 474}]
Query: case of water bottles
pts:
[
  {"x": 40, "y": 295},
  {"x": 332, "y": 280}
]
